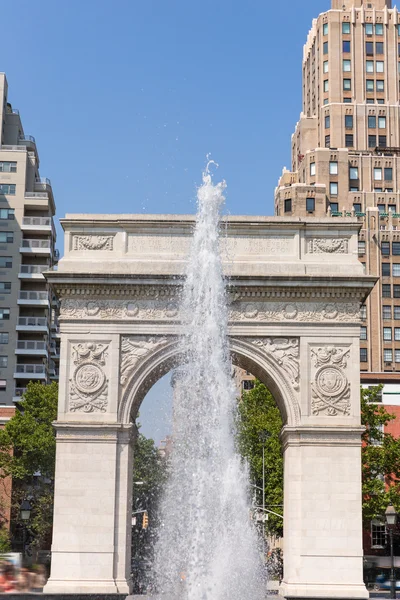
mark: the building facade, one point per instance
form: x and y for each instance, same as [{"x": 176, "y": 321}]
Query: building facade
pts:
[
  {"x": 346, "y": 157},
  {"x": 29, "y": 344}
]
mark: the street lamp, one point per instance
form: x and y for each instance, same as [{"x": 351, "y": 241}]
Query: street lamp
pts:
[
  {"x": 263, "y": 437},
  {"x": 391, "y": 520},
  {"x": 25, "y": 513}
]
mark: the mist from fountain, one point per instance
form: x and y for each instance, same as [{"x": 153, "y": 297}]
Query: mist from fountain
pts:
[{"x": 207, "y": 547}]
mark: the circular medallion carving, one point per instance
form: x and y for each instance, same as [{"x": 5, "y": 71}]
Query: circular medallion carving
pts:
[
  {"x": 172, "y": 310},
  {"x": 330, "y": 311},
  {"x": 290, "y": 311},
  {"x": 92, "y": 309},
  {"x": 131, "y": 309},
  {"x": 331, "y": 381},
  {"x": 251, "y": 311},
  {"x": 89, "y": 378}
]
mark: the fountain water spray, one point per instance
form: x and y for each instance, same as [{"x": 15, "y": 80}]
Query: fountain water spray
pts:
[{"x": 207, "y": 548}]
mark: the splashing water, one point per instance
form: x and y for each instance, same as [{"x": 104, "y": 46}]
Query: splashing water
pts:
[{"x": 207, "y": 547}]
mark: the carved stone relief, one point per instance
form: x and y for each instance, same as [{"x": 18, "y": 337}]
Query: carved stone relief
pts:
[
  {"x": 328, "y": 246},
  {"x": 167, "y": 309},
  {"x": 93, "y": 242},
  {"x": 134, "y": 350},
  {"x": 285, "y": 352},
  {"x": 88, "y": 386},
  {"x": 330, "y": 388}
]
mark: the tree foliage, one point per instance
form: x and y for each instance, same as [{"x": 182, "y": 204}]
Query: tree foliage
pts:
[
  {"x": 27, "y": 454},
  {"x": 257, "y": 412},
  {"x": 380, "y": 457}
]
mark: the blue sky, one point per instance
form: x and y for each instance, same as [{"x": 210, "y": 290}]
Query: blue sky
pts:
[{"x": 126, "y": 98}]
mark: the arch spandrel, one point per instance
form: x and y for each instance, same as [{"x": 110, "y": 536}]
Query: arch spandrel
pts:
[{"x": 273, "y": 360}]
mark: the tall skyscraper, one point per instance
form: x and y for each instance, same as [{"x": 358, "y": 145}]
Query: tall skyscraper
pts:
[
  {"x": 29, "y": 345},
  {"x": 346, "y": 158}
]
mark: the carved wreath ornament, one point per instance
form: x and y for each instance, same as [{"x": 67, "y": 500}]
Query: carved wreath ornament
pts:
[
  {"x": 330, "y": 388},
  {"x": 89, "y": 384}
]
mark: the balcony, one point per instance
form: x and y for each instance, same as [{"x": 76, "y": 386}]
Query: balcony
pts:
[
  {"x": 43, "y": 184},
  {"x": 31, "y": 347},
  {"x": 54, "y": 350},
  {"x": 36, "y": 247},
  {"x": 39, "y": 324},
  {"x": 33, "y": 298},
  {"x": 37, "y": 224},
  {"x": 37, "y": 200},
  {"x": 8, "y": 148},
  {"x": 30, "y": 372},
  {"x": 32, "y": 271},
  {"x": 18, "y": 393},
  {"x": 29, "y": 142}
]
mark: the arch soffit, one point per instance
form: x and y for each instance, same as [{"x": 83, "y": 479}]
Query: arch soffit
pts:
[{"x": 249, "y": 354}]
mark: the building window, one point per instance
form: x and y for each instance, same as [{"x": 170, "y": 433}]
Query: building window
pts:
[
  {"x": 312, "y": 169},
  {"x": 387, "y": 334},
  {"x": 369, "y": 48},
  {"x": 363, "y": 312},
  {"x": 363, "y": 334},
  {"x": 288, "y": 205},
  {"x": 363, "y": 355},
  {"x": 380, "y": 85},
  {"x": 333, "y": 167},
  {"x": 380, "y": 66},
  {"x": 326, "y": 66},
  {"x": 372, "y": 141},
  {"x": 3, "y": 361},
  {"x": 377, "y": 174},
  {"x": 5, "y": 262},
  {"x": 347, "y": 85},
  {"x": 3, "y": 385},
  {"x": 379, "y": 29},
  {"x": 7, "y": 189},
  {"x": 7, "y": 214},
  {"x": 381, "y": 101},
  {"x": 8, "y": 167},
  {"x": 346, "y": 45},
  {"x": 382, "y": 141},
  {"x": 326, "y": 101},
  {"x": 333, "y": 188},
  {"x": 349, "y": 140},
  {"x": 369, "y": 66},
  {"x": 247, "y": 385},
  {"x": 387, "y": 313},
  {"x": 325, "y": 28},
  {"x": 4, "y": 314},
  {"x": 5, "y": 287},
  {"x": 391, "y": 207},
  {"x": 371, "y": 122},
  {"x": 3, "y": 338},
  {"x": 326, "y": 85},
  {"x": 370, "y": 85},
  {"x": 334, "y": 207},
  {"x": 348, "y": 121},
  {"x": 396, "y": 311},
  {"x": 396, "y": 291},
  {"x": 325, "y": 48},
  {"x": 369, "y": 29},
  {"x": 381, "y": 122},
  {"x": 381, "y": 207},
  {"x": 353, "y": 173},
  {"x": 357, "y": 207},
  {"x": 396, "y": 248},
  {"x": 327, "y": 122},
  {"x": 379, "y": 47},
  {"x": 397, "y": 356},
  {"x": 310, "y": 204},
  {"x": 388, "y": 355},
  {"x": 327, "y": 141},
  {"x": 396, "y": 269},
  {"x": 388, "y": 174},
  {"x": 385, "y": 248},
  {"x": 347, "y": 100},
  {"x": 345, "y": 27},
  {"x": 6, "y": 237},
  {"x": 385, "y": 269},
  {"x": 397, "y": 334},
  {"x": 361, "y": 248},
  {"x": 347, "y": 66}
]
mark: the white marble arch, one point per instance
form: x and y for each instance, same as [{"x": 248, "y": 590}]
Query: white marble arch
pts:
[{"x": 295, "y": 288}]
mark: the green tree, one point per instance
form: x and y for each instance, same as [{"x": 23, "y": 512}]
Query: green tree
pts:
[
  {"x": 380, "y": 457},
  {"x": 257, "y": 412},
  {"x": 27, "y": 454}
]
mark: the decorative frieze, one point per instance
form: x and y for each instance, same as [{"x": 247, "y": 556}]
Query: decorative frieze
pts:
[
  {"x": 88, "y": 386},
  {"x": 285, "y": 352},
  {"x": 164, "y": 309},
  {"x": 328, "y": 246},
  {"x": 330, "y": 387},
  {"x": 93, "y": 242},
  {"x": 135, "y": 350}
]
